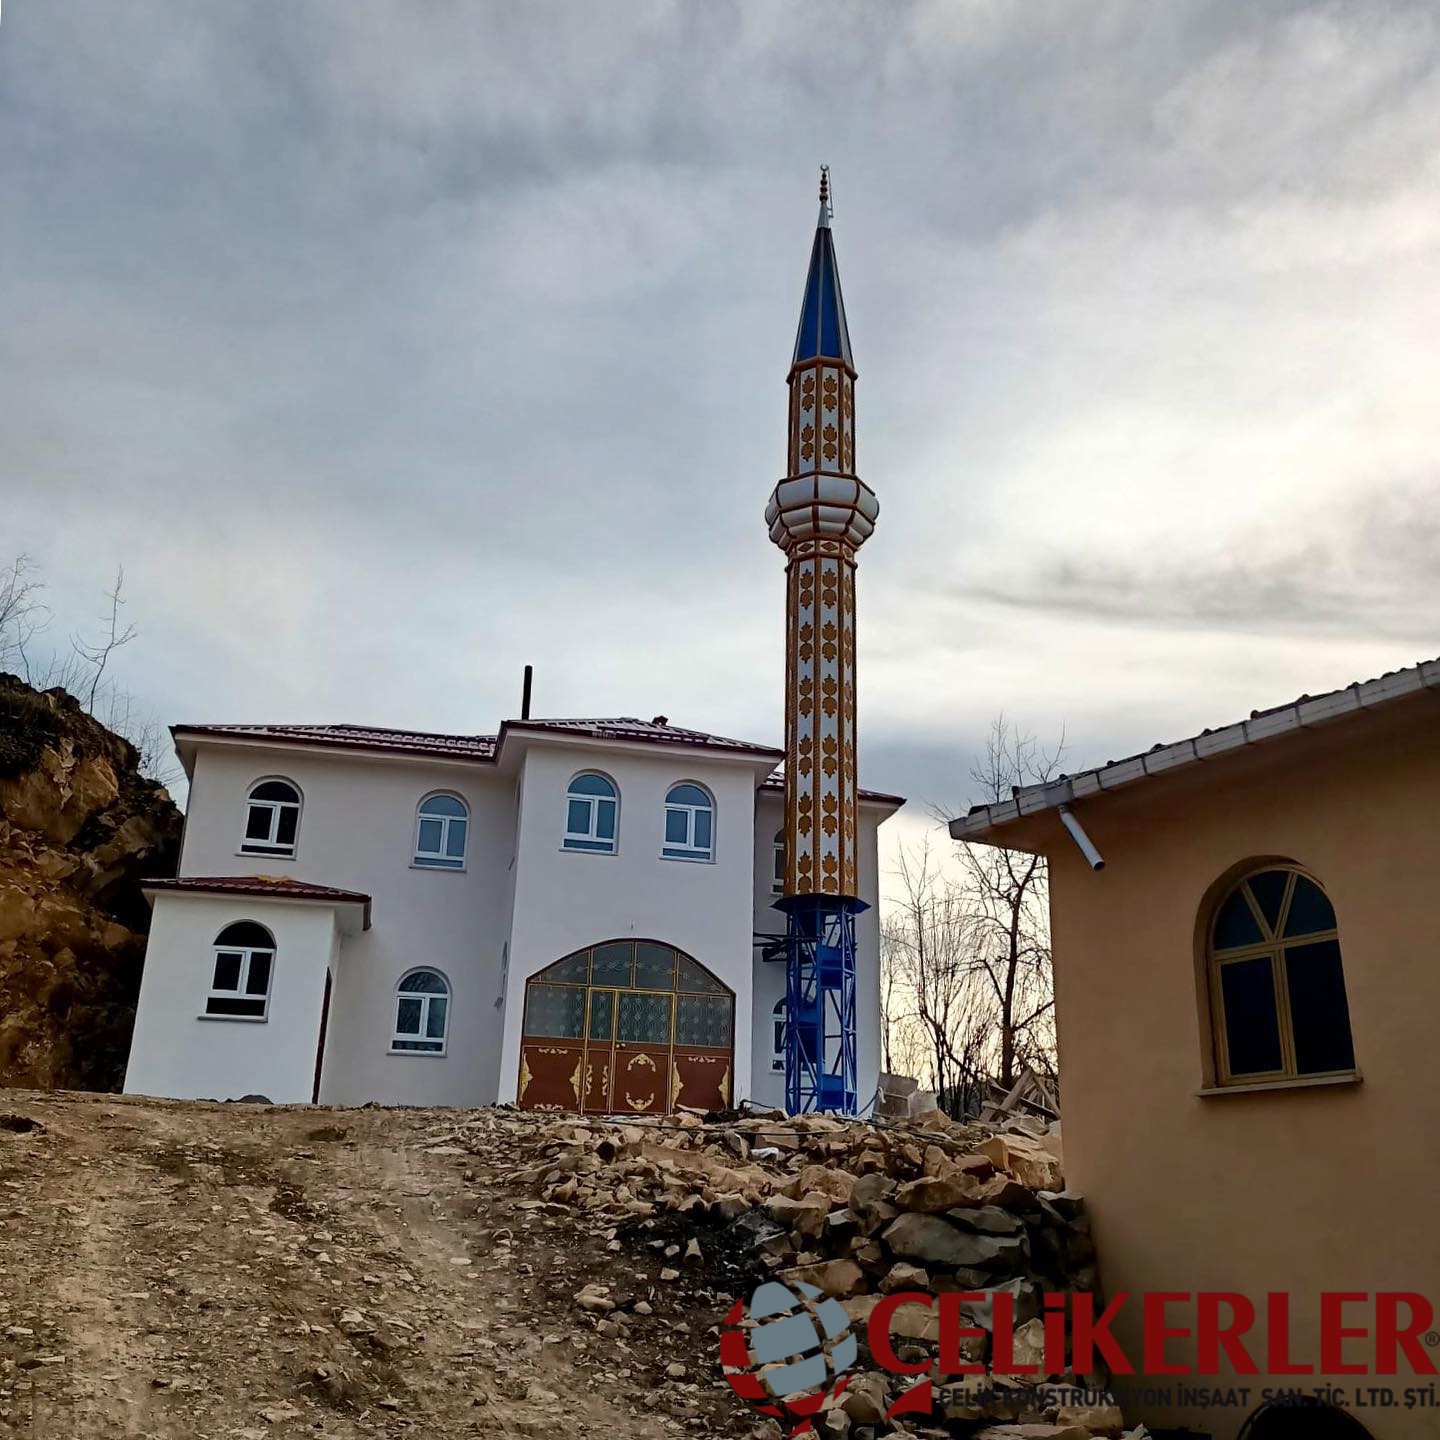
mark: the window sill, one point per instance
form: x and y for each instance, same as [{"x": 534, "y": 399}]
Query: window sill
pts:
[
  {"x": 438, "y": 869},
  {"x": 242, "y": 1019},
  {"x": 690, "y": 859},
  {"x": 604, "y": 854},
  {"x": 418, "y": 1054},
  {"x": 266, "y": 854},
  {"x": 1260, "y": 1087}
]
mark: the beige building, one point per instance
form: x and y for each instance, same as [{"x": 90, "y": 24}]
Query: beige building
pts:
[{"x": 1247, "y": 995}]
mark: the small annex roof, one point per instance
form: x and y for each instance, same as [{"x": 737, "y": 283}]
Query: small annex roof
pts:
[
  {"x": 270, "y": 887},
  {"x": 1263, "y": 727}
]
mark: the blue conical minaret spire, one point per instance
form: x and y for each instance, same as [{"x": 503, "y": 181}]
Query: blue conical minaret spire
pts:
[{"x": 823, "y": 332}]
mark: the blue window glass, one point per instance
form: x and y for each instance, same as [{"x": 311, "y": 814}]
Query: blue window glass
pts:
[
  {"x": 441, "y": 829},
  {"x": 591, "y": 814},
  {"x": 689, "y": 828},
  {"x": 422, "y": 1006},
  {"x": 591, "y": 785},
  {"x": 435, "y": 1020}
]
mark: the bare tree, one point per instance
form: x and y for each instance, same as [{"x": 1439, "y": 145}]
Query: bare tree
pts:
[
  {"x": 83, "y": 669},
  {"x": 938, "y": 1016},
  {"x": 965, "y": 951},
  {"x": 96, "y": 654},
  {"x": 1008, "y": 894},
  {"x": 22, "y": 613}
]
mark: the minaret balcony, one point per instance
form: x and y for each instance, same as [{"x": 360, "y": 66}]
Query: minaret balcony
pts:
[{"x": 808, "y": 507}]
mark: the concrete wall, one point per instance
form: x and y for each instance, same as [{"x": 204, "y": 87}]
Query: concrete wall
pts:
[
  {"x": 357, "y": 831},
  {"x": 565, "y": 900},
  {"x": 179, "y": 1051},
  {"x": 1296, "y": 1190}
]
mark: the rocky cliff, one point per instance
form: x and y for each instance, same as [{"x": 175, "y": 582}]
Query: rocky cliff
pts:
[{"x": 79, "y": 828}]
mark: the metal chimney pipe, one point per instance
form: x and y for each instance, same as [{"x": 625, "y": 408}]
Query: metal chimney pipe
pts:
[{"x": 525, "y": 692}]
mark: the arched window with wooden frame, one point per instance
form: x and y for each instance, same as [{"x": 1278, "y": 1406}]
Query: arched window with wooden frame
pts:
[
  {"x": 1277, "y": 984},
  {"x": 629, "y": 1027}
]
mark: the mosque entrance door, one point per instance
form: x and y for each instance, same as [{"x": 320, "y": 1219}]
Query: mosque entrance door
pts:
[{"x": 631, "y": 1027}]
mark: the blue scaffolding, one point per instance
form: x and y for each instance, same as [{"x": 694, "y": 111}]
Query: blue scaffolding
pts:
[{"x": 820, "y": 1058}]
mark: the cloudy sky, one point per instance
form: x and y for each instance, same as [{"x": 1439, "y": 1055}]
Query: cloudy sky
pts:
[{"x": 392, "y": 346}]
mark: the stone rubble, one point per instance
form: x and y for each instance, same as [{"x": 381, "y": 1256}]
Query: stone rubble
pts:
[{"x": 859, "y": 1210}]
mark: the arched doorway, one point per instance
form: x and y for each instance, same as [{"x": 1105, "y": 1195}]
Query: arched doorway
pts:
[
  {"x": 1301, "y": 1417},
  {"x": 627, "y": 1027}
]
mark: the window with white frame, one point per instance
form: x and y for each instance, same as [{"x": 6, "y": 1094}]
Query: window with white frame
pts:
[
  {"x": 272, "y": 818},
  {"x": 592, "y": 812},
  {"x": 689, "y": 824},
  {"x": 777, "y": 881},
  {"x": 244, "y": 966},
  {"x": 777, "y": 1037},
  {"x": 422, "y": 1013},
  {"x": 441, "y": 831}
]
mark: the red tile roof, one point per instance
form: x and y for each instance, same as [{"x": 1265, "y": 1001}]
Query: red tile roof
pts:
[
  {"x": 276, "y": 887},
  {"x": 478, "y": 747},
  {"x": 486, "y": 748},
  {"x": 358, "y": 737}
]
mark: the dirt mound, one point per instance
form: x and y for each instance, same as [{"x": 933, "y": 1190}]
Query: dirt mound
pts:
[{"x": 79, "y": 828}]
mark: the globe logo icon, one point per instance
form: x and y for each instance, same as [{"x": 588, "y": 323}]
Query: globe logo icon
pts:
[{"x": 794, "y": 1353}]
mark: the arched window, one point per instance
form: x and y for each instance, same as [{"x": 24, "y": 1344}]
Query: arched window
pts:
[
  {"x": 689, "y": 824},
  {"x": 244, "y": 962},
  {"x": 442, "y": 827},
  {"x": 592, "y": 809},
  {"x": 777, "y": 882},
  {"x": 1277, "y": 987},
  {"x": 422, "y": 1013},
  {"x": 272, "y": 818},
  {"x": 777, "y": 1037}
]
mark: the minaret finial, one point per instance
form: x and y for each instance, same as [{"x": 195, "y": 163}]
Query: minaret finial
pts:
[{"x": 824, "y": 197}]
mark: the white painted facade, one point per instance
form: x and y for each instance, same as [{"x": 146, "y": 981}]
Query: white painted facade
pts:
[{"x": 520, "y": 902}]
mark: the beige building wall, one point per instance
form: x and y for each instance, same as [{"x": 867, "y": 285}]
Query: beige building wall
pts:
[{"x": 1300, "y": 1190}]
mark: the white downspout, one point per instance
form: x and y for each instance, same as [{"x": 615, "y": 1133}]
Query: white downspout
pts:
[{"x": 1093, "y": 858}]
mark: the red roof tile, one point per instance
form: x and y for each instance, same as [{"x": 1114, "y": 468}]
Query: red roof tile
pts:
[{"x": 276, "y": 887}]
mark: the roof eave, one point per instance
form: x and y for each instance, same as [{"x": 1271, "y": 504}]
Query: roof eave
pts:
[{"x": 1285, "y": 721}]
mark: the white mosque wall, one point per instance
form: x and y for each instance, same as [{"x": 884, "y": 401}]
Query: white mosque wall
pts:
[
  {"x": 177, "y": 1050},
  {"x": 357, "y": 832},
  {"x": 566, "y": 900}
]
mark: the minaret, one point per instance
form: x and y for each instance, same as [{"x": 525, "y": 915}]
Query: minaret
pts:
[{"x": 819, "y": 515}]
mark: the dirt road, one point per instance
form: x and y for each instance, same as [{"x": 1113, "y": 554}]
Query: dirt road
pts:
[{"x": 175, "y": 1269}]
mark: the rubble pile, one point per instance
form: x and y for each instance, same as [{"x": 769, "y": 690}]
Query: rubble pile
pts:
[{"x": 859, "y": 1210}]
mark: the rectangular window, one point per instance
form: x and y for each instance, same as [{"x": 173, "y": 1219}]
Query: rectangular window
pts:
[{"x": 1252, "y": 1021}]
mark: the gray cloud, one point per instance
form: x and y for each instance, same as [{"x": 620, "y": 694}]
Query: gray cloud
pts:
[{"x": 391, "y": 349}]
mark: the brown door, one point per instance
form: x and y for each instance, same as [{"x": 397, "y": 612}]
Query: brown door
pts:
[{"x": 652, "y": 1026}]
